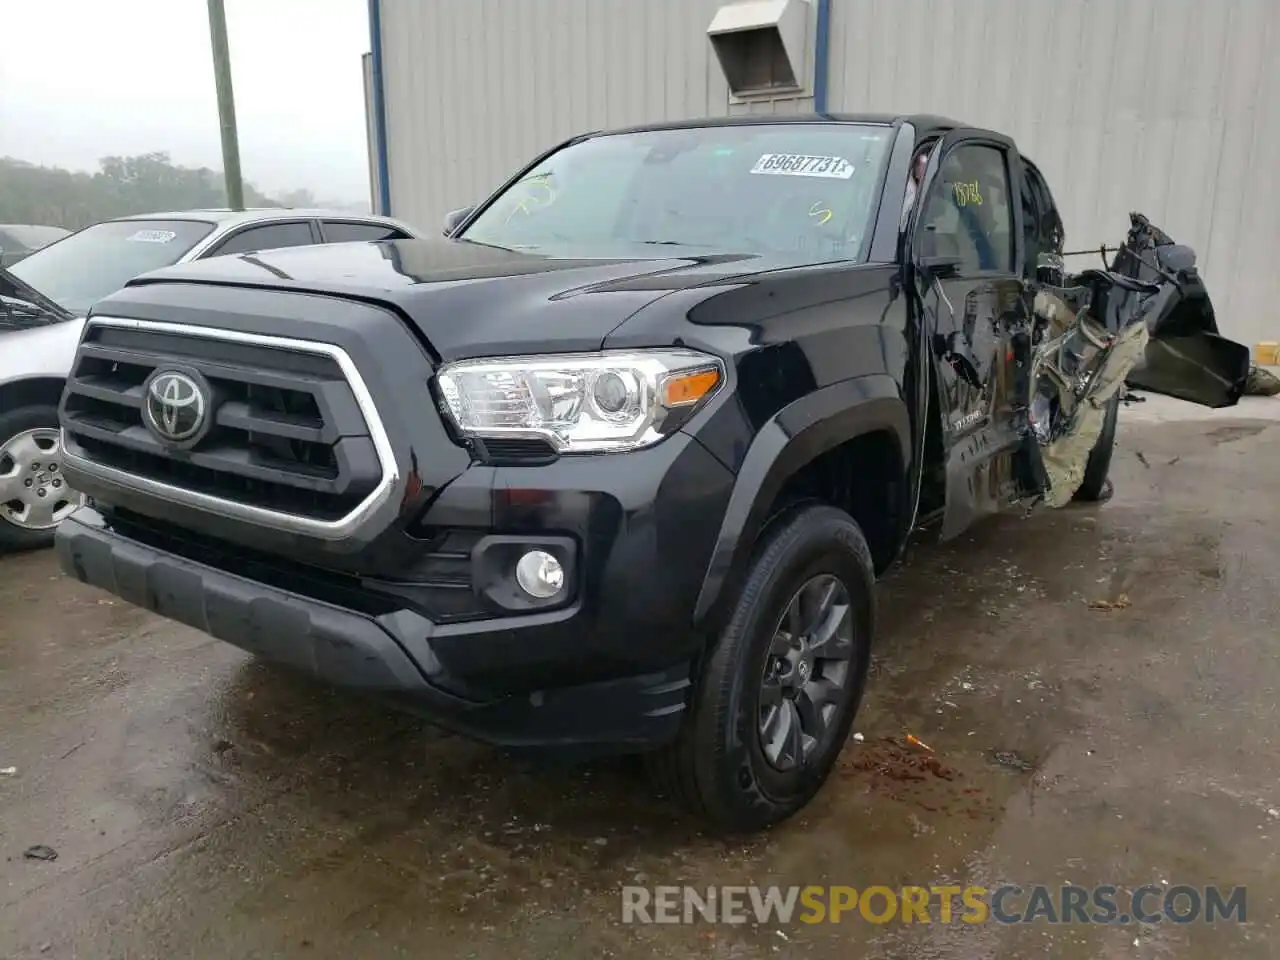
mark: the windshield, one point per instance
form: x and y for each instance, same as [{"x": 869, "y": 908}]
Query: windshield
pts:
[
  {"x": 80, "y": 270},
  {"x": 803, "y": 191}
]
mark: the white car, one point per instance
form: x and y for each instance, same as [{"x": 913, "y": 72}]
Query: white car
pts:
[{"x": 43, "y": 302}]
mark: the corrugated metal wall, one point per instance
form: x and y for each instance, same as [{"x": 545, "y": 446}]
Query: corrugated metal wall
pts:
[
  {"x": 1171, "y": 107},
  {"x": 475, "y": 87},
  {"x": 1167, "y": 106}
]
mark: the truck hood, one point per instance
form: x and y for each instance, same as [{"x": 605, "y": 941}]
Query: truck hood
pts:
[{"x": 469, "y": 299}]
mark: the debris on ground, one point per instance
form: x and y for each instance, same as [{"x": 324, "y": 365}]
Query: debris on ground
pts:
[
  {"x": 858, "y": 738},
  {"x": 1014, "y": 761},
  {"x": 8, "y": 771},
  {"x": 1261, "y": 383},
  {"x": 40, "y": 852},
  {"x": 917, "y": 742},
  {"x": 1119, "y": 603},
  {"x": 889, "y": 759}
]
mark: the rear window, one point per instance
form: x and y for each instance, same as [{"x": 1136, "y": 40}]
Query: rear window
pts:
[
  {"x": 85, "y": 267},
  {"x": 337, "y": 231}
]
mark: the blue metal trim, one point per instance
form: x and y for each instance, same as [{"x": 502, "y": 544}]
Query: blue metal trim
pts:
[
  {"x": 821, "y": 51},
  {"x": 379, "y": 109}
]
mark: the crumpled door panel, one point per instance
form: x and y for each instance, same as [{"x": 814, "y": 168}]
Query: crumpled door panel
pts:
[{"x": 1147, "y": 321}]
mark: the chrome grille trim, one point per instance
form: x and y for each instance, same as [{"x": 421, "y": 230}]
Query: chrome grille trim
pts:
[{"x": 288, "y": 522}]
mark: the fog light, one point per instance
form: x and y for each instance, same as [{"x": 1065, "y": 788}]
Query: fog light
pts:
[{"x": 540, "y": 574}]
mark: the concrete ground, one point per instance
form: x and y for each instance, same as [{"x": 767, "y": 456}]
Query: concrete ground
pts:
[{"x": 204, "y": 805}]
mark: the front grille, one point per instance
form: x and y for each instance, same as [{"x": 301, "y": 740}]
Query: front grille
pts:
[
  {"x": 287, "y": 433},
  {"x": 436, "y": 584}
]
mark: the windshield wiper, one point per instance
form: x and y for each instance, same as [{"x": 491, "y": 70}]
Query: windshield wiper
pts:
[
  {"x": 15, "y": 312},
  {"x": 671, "y": 243},
  {"x": 13, "y": 289}
]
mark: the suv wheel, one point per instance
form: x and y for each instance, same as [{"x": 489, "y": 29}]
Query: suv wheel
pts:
[
  {"x": 34, "y": 495},
  {"x": 780, "y": 688}
]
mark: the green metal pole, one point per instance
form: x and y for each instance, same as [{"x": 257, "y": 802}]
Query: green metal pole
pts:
[{"x": 226, "y": 104}]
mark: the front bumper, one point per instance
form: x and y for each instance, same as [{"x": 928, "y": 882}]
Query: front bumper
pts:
[
  {"x": 409, "y": 597},
  {"x": 367, "y": 653}
]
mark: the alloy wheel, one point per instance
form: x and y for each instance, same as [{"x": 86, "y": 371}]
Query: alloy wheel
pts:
[
  {"x": 805, "y": 673},
  {"x": 33, "y": 492}
]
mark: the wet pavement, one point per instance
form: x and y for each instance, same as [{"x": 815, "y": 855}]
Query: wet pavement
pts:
[{"x": 1097, "y": 684}]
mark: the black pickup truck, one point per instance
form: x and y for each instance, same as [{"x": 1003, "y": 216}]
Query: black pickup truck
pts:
[{"x": 614, "y": 465}]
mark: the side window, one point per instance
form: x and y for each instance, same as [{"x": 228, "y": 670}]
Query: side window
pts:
[
  {"x": 968, "y": 213},
  {"x": 337, "y": 231},
  {"x": 1033, "y": 215},
  {"x": 267, "y": 237},
  {"x": 1051, "y": 231}
]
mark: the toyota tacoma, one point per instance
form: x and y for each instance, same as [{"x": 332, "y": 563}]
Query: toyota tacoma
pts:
[{"x": 613, "y": 466}]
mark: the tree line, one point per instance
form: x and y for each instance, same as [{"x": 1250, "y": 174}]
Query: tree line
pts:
[{"x": 121, "y": 186}]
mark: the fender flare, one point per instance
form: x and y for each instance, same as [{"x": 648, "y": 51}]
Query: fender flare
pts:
[{"x": 789, "y": 441}]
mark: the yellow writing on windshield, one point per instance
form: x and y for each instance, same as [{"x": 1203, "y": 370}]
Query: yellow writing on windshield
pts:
[
  {"x": 538, "y": 192},
  {"x": 820, "y": 212}
]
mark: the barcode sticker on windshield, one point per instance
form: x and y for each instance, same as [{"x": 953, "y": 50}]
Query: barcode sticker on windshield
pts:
[
  {"x": 152, "y": 236},
  {"x": 801, "y": 165}
]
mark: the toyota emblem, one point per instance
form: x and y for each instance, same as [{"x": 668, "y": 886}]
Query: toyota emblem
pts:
[{"x": 177, "y": 406}]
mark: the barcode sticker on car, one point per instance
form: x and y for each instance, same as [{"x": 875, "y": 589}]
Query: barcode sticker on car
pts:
[
  {"x": 152, "y": 236},
  {"x": 801, "y": 165}
]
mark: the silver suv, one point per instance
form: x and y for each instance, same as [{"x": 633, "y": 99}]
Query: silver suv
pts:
[{"x": 42, "y": 317}]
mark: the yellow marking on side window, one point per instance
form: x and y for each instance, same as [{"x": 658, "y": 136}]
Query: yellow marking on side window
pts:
[{"x": 967, "y": 194}]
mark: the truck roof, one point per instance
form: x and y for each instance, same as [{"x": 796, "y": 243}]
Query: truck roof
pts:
[{"x": 921, "y": 121}]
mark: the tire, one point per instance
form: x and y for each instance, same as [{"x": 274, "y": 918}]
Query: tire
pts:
[
  {"x": 719, "y": 767},
  {"x": 31, "y": 434},
  {"x": 1095, "y": 487}
]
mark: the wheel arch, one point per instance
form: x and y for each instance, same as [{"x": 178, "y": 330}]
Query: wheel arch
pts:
[
  {"x": 862, "y": 423},
  {"x": 30, "y": 392}
]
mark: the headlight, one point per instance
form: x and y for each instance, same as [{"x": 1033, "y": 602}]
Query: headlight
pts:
[{"x": 580, "y": 403}]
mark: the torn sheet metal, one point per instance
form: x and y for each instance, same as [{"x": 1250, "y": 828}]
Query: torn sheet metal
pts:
[
  {"x": 1092, "y": 333},
  {"x": 1076, "y": 369}
]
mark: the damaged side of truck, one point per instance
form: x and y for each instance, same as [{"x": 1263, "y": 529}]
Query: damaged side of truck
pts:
[
  {"x": 1027, "y": 376},
  {"x": 1146, "y": 322}
]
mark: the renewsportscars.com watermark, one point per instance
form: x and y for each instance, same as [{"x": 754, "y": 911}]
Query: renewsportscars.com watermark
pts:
[{"x": 1008, "y": 904}]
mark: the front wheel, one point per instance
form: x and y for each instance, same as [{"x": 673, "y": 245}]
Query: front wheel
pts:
[
  {"x": 780, "y": 688},
  {"x": 34, "y": 495}
]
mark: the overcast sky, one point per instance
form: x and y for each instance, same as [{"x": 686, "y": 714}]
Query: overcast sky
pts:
[{"x": 82, "y": 79}]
